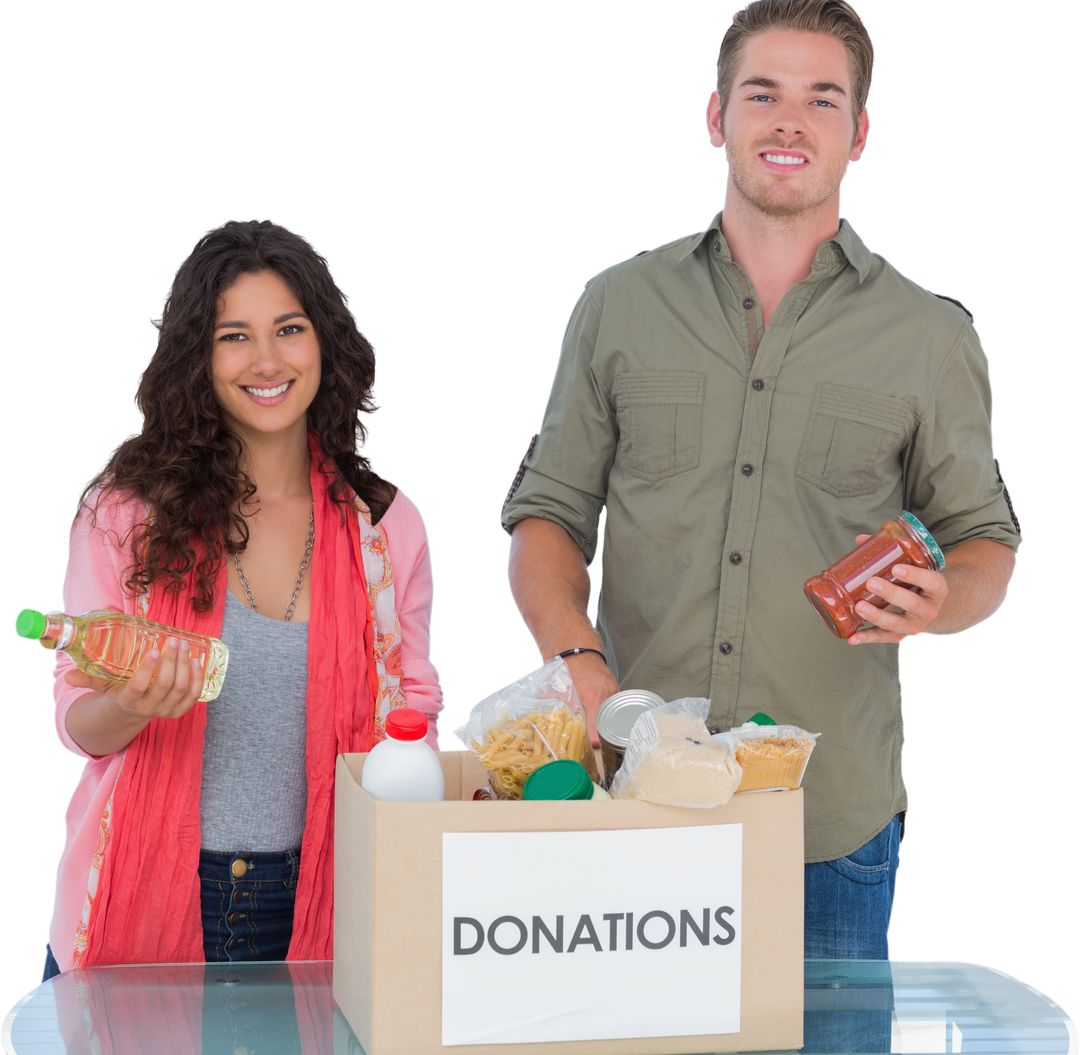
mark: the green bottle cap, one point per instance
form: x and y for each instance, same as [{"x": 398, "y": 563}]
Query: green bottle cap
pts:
[
  {"x": 761, "y": 719},
  {"x": 562, "y": 779},
  {"x": 928, "y": 539},
  {"x": 30, "y": 624}
]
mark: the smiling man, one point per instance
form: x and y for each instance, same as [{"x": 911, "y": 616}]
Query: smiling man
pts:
[{"x": 745, "y": 402}]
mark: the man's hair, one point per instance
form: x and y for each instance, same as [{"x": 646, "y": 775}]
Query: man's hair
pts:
[{"x": 834, "y": 18}]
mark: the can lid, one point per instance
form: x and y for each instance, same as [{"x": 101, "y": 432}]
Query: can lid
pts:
[
  {"x": 761, "y": 719},
  {"x": 406, "y": 723},
  {"x": 562, "y": 779},
  {"x": 30, "y": 623},
  {"x": 927, "y": 538},
  {"x": 617, "y": 714}
]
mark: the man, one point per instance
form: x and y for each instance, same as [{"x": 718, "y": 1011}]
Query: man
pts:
[{"x": 744, "y": 402}]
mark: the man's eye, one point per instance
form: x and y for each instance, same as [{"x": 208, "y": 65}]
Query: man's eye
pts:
[
  {"x": 824, "y": 103},
  {"x": 761, "y": 98}
]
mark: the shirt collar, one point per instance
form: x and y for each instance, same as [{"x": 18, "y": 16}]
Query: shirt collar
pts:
[{"x": 845, "y": 245}]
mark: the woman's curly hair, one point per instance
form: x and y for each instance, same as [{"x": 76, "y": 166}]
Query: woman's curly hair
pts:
[{"x": 185, "y": 464}]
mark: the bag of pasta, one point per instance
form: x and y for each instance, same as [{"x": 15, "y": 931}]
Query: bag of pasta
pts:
[
  {"x": 517, "y": 729},
  {"x": 772, "y": 756}
]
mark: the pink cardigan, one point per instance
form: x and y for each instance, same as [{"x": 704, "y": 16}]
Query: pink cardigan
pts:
[{"x": 97, "y": 567}]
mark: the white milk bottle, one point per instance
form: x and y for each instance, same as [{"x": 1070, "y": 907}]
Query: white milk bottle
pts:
[{"x": 403, "y": 768}]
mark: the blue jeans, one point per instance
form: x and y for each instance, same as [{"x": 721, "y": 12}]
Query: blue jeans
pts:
[
  {"x": 249, "y": 918},
  {"x": 848, "y": 905}
]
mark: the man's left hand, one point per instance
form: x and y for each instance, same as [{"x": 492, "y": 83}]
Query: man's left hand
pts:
[{"x": 912, "y": 607}]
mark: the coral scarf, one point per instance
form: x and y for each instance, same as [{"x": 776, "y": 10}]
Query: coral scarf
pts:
[{"x": 147, "y": 908}]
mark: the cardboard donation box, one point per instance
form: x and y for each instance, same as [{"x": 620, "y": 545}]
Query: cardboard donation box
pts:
[{"x": 566, "y": 928}]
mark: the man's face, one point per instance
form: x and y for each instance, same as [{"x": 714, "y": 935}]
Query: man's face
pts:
[{"x": 788, "y": 127}]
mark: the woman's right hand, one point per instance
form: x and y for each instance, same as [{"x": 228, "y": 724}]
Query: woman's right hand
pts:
[{"x": 165, "y": 684}]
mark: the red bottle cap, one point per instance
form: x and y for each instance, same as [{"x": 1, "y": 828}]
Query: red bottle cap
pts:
[{"x": 406, "y": 723}]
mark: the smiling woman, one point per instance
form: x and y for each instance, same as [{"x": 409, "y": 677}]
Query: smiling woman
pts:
[{"x": 244, "y": 478}]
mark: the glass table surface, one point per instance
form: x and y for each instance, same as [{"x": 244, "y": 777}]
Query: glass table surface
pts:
[{"x": 288, "y": 1009}]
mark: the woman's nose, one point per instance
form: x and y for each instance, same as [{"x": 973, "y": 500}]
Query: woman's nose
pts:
[{"x": 264, "y": 357}]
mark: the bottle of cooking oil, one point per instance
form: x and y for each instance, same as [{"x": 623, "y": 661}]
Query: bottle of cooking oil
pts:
[{"x": 112, "y": 644}]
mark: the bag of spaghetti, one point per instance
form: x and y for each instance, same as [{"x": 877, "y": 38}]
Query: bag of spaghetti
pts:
[
  {"x": 672, "y": 759},
  {"x": 518, "y": 729},
  {"x": 772, "y": 756}
]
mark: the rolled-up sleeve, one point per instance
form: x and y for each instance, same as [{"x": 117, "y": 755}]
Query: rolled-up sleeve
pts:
[
  {"x": 566, "y": 472},
  {"x": 952, "y": 482}
]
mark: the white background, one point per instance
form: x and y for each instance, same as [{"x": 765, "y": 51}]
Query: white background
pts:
[{"x": 495, "y": 998}]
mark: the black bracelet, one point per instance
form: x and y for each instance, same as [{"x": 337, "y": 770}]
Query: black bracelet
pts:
[{"x": 578, "y": 651}]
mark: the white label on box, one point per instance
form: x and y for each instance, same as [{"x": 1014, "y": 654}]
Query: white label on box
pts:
[{"x": 551, "y": 936}]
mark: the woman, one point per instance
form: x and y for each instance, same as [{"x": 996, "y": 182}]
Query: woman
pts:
[{"x": 242, "y": 510}]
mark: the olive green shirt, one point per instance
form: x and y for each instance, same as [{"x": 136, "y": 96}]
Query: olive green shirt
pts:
[{"x": 737, "y": 461}]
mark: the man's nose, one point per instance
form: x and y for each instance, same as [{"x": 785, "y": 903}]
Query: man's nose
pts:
[{"x": 788, "y": 122}]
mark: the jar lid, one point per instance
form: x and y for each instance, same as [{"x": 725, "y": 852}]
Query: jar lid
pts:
[
  {"x": 562, "y": 779},
  {"x": 30, "y": 623},
  {"x": 927, "y": 538},
  {"x": 406, "y": 723}
]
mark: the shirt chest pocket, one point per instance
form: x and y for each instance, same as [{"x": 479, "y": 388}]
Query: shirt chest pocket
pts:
[
  {"x": 852, "y": 439},
  {"x": 659, "y": 419}
]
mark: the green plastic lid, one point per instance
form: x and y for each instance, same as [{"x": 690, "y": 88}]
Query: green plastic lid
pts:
[
  {"x": 562, "y": 779},
  {"x": 928, "y": 539},
  {"x": 29, "y": 623},
  {"x": 761, "y": 719}
]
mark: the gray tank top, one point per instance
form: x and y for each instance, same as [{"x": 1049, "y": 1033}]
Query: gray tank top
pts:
[{"x": 254, "y": 780}]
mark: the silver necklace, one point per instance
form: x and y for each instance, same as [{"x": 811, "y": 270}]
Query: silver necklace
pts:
[{"x": 299, "y": 579}]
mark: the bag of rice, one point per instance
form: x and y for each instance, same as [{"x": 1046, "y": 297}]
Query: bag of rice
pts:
[{"x": 673, "y": 760}]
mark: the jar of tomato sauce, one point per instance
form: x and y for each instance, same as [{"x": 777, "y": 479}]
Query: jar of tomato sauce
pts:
[{"x": 835, "y": 592}]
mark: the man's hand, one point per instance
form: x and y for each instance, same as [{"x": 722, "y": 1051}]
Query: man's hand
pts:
[
  {"x": 969, "y": 588},
  {"x": 594, "y": 684}
]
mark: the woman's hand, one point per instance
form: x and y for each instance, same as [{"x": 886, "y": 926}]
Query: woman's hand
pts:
[{"x": 165, "y": 684}]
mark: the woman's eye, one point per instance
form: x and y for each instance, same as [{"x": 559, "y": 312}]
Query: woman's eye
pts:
[
  {"x": 288, "y": 330},
  {"x": 232, "y": 337}
]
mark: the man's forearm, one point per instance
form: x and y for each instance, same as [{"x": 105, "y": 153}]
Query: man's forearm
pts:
[
  {"x": 978, "y": 574},
  {"x": 550, "y": 583}
]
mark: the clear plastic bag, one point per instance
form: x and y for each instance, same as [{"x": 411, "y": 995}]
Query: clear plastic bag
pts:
[
  {"x": 519, "y": 728},
  {"x": 772, "y": 756},
  {"x": 673, "y": 760}
]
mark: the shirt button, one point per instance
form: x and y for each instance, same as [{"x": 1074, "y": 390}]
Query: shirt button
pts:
[
  {"x": 725, "y": 647},
  {"x": 748, "y": 470},
  {"x": 748, "y": 303},
  {"x": 757, "y": 384},
  {"x": 239, "y": 868},
  {"x": 716, "y": 246},
  {"x": 735, "y": 558}
]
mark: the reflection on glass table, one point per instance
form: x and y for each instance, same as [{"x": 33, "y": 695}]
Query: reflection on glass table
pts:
[{"x": 288, "y": 1009}]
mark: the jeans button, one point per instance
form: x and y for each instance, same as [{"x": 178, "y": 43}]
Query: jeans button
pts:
[
  {"x": 239, "y": 868},
  {"x": 238, "y": 896}
]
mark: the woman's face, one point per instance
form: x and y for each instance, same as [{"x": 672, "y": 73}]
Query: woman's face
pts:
[{"x": 266, "y": 363}]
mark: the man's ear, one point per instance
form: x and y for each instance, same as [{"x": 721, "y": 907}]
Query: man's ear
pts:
[
  {"x": 714, "y": 121},
  {"x": 858, "y": 144}
]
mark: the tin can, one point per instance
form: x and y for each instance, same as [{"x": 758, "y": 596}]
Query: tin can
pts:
[{"x": 614, "y": 720}]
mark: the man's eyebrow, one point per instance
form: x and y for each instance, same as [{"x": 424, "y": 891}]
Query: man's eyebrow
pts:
[
  {"x": 244, "y": 326},
  {"x": 768, "y": 82}
]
